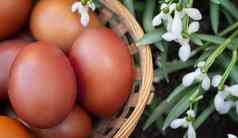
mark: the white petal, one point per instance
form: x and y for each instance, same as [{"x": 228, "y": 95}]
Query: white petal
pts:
[
  {"x": 193, "y": 27},
  {"x": 231, "y": 136},
  {"x": 169, "y": 21},
  {"x": 164, "y": 5},
  {"x": 206, "y": 83},
  {"x": 193, "y": 13},
  {"x": 76, "y": 6},
  {"x": 221, "y": 106},
  {"x": 201, "y": 64},
  {"x": 177, "y": 123},
  {"x": 85, "y": 19},
  {"x": 233, "y": 90},
  {"x": 177, "y": 24},
  {"x": 172, "y": 7},
  {"x": 216, "y": 80},
  {"x": 169, "y": 36},
  {"x": 92, "y": 6},
  {"x": 188, "y": 79},
  {"x": 191, "y": 132},
  {"x": 157, "y": 20},
  {"x": 191, "y": 113},
  {"x": 185, "y": 52}
]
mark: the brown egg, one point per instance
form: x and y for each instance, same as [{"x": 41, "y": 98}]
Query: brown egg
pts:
[
  {"x": 53, "y": 21},
  {"x": 13, "y": 15},
  {"x": 11, "y": 128},
  {"x": 8, "y": 52},
  {"x": 42, "y": 85},
  {"x": 78, "y": 124},
  {"x": 104, "y": 70}
]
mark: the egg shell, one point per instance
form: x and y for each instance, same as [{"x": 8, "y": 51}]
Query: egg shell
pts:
[
  {"x": 42, "y": 85},
  {"x": 9, "y": 49},
  {"x": 78, "y": 124},
  {"x": 104, "y": 70},
  {"x": 54, "y": 22},
  {"x": 11, "y": 128},
  {"x": 13, "y": 15}
]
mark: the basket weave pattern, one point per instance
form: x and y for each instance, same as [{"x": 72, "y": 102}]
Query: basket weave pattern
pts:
[{"x": 126, "y": 26}]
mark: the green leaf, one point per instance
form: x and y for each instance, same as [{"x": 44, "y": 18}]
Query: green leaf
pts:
[
  {"x": 148, "y": 15},
  {"x": 130, "y": 5},
  {"x": 228, "y": 16},
  {"x": 196, "y": 40},
  {"x": 151, "y": 37},
  {"x": 216, "y": 1},
  {"x": 214, "y": 16},
  {"x": 210, "y": 38},
  {"x": 224, "y": 60},
  {"x": 181, "y": 106},
  {"x": 165, "y": 106},
  {"x": 230, "y": 7},
  {"x": 233, "y": 115},
  {"x": 204, "y": 116}
]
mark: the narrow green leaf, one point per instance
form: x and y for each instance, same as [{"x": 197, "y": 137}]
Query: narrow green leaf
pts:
[
  {"x": 228, "y": 16},
  {"x": 196, "y": 40},
  {"x": 166, "y": 106},
  {"x": 214, "y": 16},
  {"x": 224, "y": 60},
  {"x": 210, "y": 38},
  {"x": 151, "y": 37},
  {"x": 230, "y": 7},
  {"x": 181, "y": 106},
  {"x": 204, "y": 116},
  {"x": 233, "y": 115},
  {"x": 216, "y": 1},
  {"x": 130, "y": 5},
  {"x": 148, "y": 15}
]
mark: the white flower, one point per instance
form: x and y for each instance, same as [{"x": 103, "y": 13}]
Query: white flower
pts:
[
  {"x": 175, "y": 34},
  {"x": 231, "y": 136},
  {"x": 216, "y": 80},
  {"x": 198, "y": 75},
  {"x": 222, "y": 104},
  {"x": 185, "y": 123},
  {"x": 83, "y": 11},
  {"x": 157, "y": 20}
]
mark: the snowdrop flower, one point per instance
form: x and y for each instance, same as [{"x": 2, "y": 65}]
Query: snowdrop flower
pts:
[
  {"x": 231, "y": 136},
  {"x": 197, "y": 75},
  {"x": 175, "y": 34},
  {"x": 185, "y": 122},
  {"x": 164, "y": 15},
  {"x": 83, "y": 11},
  {"x": 216, "y": 80},
  {"x": 225, "y": 100}
]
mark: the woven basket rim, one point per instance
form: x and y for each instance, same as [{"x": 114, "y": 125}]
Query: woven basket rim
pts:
[{"x": 136, "y": 33}]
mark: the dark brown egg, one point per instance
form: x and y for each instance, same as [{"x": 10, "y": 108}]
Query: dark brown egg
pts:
[
  {"x": 13, "y": 15},
  {"x": 78, "y": 124},
  {"x": 53, "y": 21},
  {"x": 104, "y": 70},
  {"x": 42, "y": 85},
  {"x": 8, "y": 52}
]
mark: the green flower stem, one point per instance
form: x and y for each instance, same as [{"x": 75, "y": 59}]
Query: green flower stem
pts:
[
  {"x": 218, "y": 51},
  {"x": 228, "y": 70},
  {"x": 84, "y": 2},
  {"x": 229, "y": 29}
]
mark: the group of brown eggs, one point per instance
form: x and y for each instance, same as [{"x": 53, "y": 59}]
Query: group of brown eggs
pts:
[{"x": 59, "y": 74}]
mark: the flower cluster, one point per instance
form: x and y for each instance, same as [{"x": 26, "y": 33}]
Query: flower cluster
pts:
[
  {"x": 185, "y": 122},
  {"x": 226, "y": 98},
  {"x": 83, "y": 9},
  {"x": 174, "y": 25},
  {"x": 199, "y": 76}
]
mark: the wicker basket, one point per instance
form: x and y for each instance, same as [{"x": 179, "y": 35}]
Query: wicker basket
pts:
[{"x": 125, "y": 25}]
